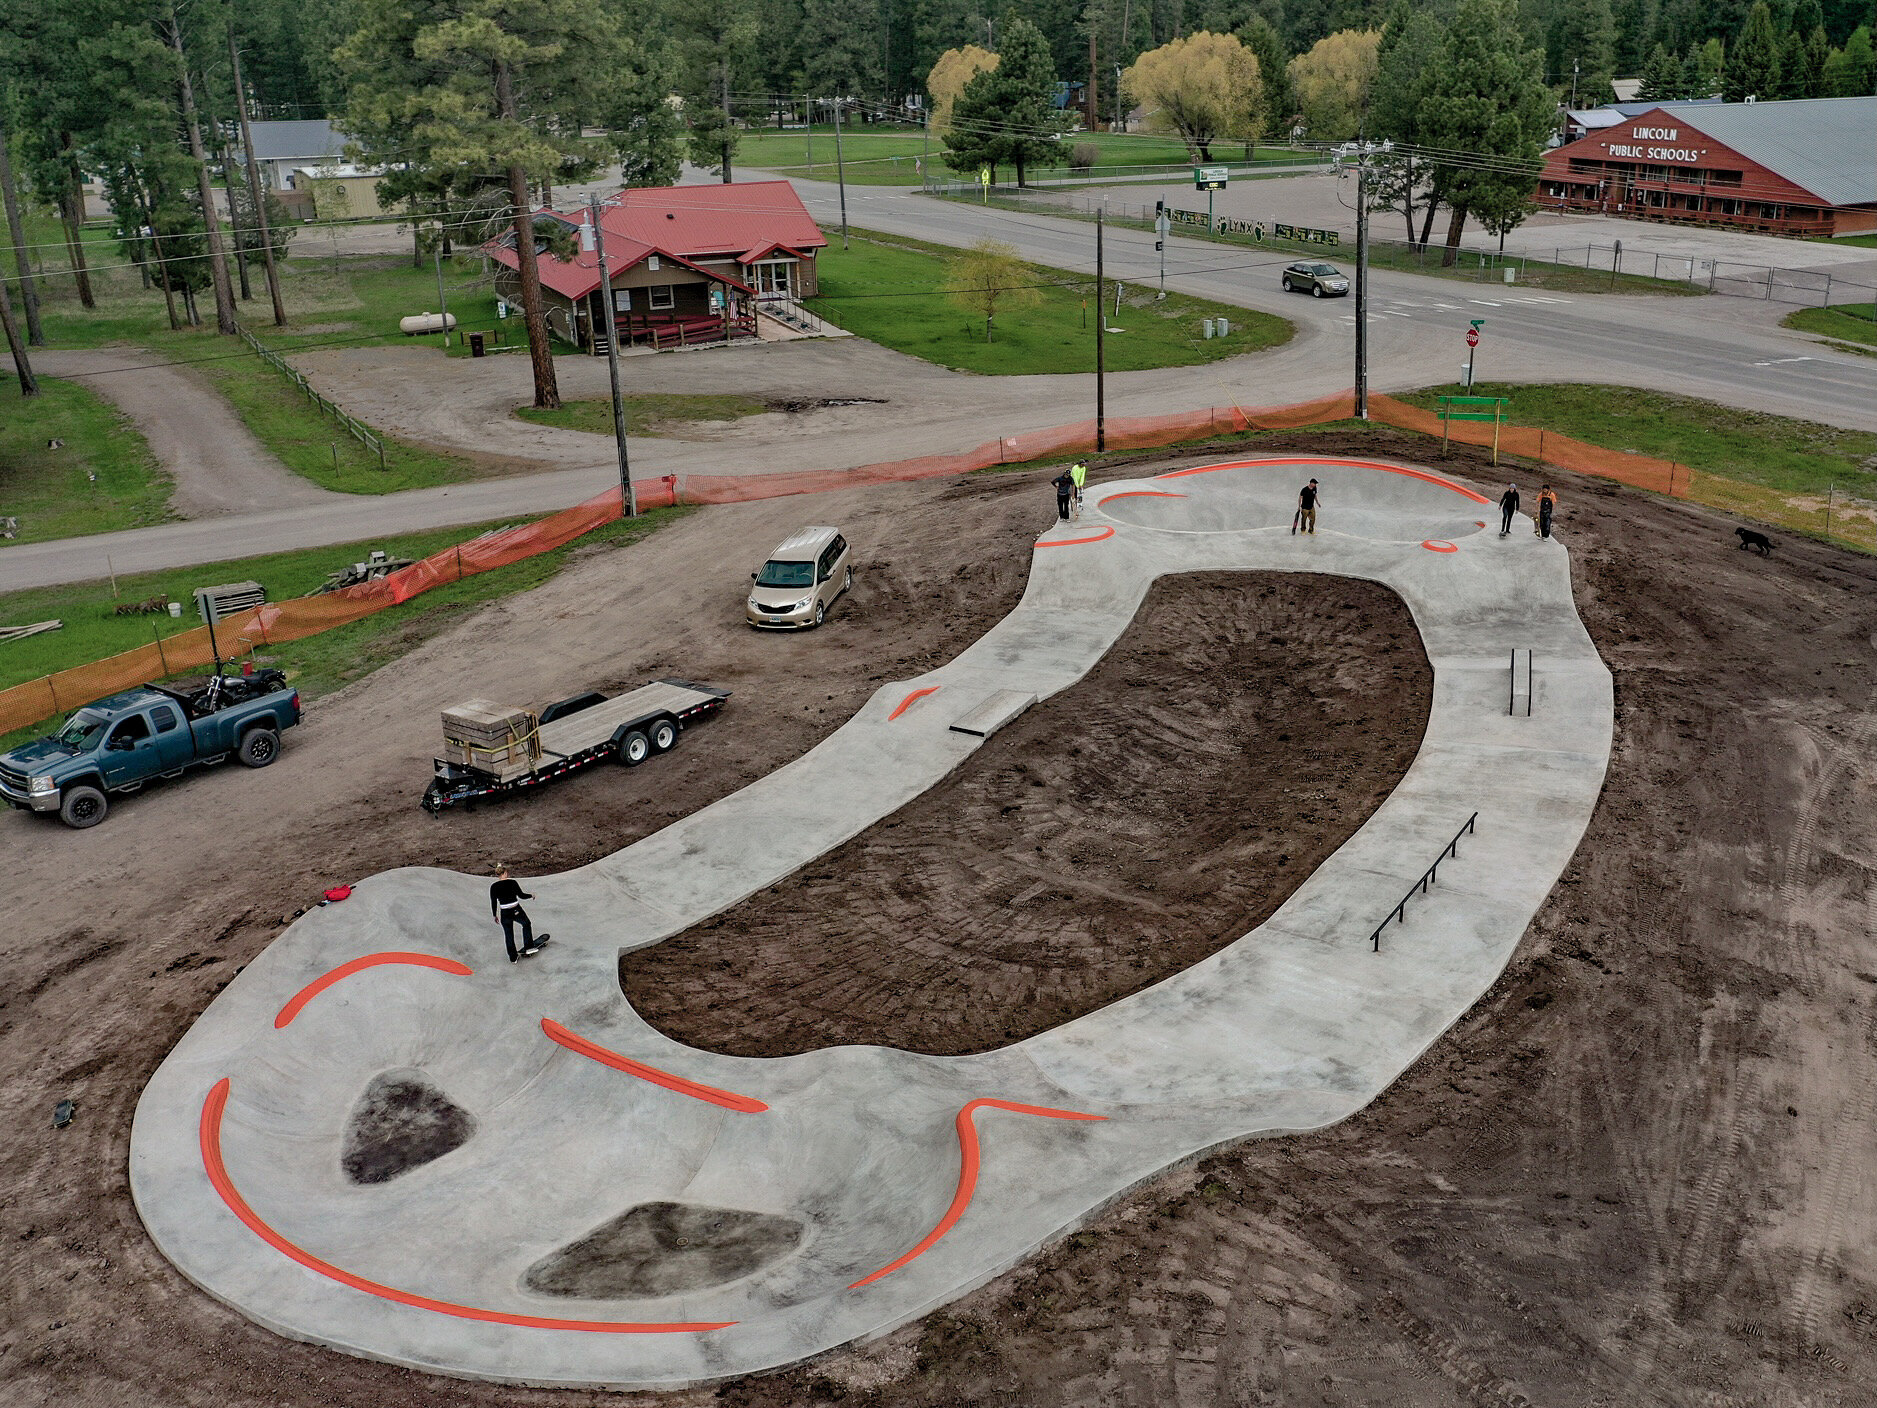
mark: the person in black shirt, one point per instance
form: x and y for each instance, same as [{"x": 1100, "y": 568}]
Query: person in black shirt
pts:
[
  {"x": 1065, "y": 491},
  {"x": 505, "y": 897},
  {"x": 1307, "y": 507},
  {"x": 1508, "y": 505}
]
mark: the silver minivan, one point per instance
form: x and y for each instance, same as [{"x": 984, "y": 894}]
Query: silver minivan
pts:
[{"x": 800, "y": 581}]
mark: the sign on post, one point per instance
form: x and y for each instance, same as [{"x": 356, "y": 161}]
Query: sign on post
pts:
[
  {"x": 1472, "y": 337},
  {"x": 1209, "y": 178}
]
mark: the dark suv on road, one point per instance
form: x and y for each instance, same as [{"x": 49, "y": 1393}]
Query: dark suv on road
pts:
[{"x": 1322, "y": 280}]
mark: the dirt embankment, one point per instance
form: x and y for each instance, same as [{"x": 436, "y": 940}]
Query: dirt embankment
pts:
[
  {"x": 1240, "y": 730},
  {"x": 1636, "y": 1173}
]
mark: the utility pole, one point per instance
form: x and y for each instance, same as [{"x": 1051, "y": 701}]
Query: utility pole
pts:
[
  {"x": 443, "y": 307},
  {"x": 257, "y": 192},
  {"x": 1362, "y": 282},
  {"x": 628, "y": 501},
  {"x": 925, "y": 152},
  {"x": 1161, "y": 227},
  {"x": 723, "y": 68},
  {"x": 218, "y": 268},
  {"x": 840, "y": 169},
  {"x": 1101, "y": 364}
]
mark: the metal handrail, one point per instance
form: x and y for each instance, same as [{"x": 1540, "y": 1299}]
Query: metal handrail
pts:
[{"x": 1400, "y": 911}]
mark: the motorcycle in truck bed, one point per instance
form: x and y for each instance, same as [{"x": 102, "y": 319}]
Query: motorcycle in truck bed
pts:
[{"x": 490, "y": 750}]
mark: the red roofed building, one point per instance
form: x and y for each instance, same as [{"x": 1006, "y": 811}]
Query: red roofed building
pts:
[{"x": 688, "y": 263}]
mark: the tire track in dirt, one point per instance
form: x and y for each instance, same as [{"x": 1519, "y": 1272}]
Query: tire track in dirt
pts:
[{"x": 1847, "y": 1130}]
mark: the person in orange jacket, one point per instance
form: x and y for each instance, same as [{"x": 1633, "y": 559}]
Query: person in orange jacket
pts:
[{"x": 1547, "y": 506}]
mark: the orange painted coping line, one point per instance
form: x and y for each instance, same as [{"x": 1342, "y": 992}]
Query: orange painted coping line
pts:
[
  {"x": 1139, "y": 494},
  {"x": 211, "y": 1137},
  {"x": 730, "y": 1100},
  {"x": 1438, "y": 545},
  {"x": 913, "y": 699},
  {"x": 967, "y": 1175},
  {"x": 1346, "y": 464},
  {"x": 359, "y": 965},
  {"x": 1071, "y": 542}
]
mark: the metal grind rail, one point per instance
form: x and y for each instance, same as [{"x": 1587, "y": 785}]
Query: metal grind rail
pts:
[
  {"x": 356, "y": 428},
  {"x": 1400, "y": 911}
]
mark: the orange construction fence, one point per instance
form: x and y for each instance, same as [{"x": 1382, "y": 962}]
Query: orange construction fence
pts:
[{"x": 308, "y": 615}]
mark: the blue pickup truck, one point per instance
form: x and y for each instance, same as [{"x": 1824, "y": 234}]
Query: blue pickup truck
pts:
[{"x": 118, "y": 744}]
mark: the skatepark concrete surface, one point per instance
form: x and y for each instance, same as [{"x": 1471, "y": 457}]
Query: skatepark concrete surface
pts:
[{"x": 379, "y": 1139}]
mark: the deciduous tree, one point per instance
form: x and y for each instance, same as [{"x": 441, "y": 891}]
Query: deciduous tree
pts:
[
  {"x": 954, "y": 69},
  {"x": 1204, "y": 88},
  {"x": 989, "y": 275},
  {"x": 1332, "y": 82}
]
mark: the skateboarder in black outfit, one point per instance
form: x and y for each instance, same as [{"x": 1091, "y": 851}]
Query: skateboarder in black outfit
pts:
[
  {"x": 1508, "y": 505},
  {"x": 1065, "y": 491},
  {"x": 505, "y": 897},
  {"x": 1306, "y": 515}
]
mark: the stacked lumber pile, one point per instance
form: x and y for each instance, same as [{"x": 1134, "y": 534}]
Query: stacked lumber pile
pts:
[{"x": 494, "y": 738}]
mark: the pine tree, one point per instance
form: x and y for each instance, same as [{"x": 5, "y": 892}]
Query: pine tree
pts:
[
  {"x": 1408, "y": 68},
  {"x": 1280, "y": 102},
  {"x": 1792, "y": 76},
  {"x": 1007, "y": 115},
  {"x": 1661, "y": 78},
  {"x": 1492, "y": 104},
  {"x": 486, "y": 86},
  {"x": 1753, "y": 65}
]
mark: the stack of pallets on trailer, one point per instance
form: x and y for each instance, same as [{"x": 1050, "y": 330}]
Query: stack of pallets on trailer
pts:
[{"x": 496, "y": 739}]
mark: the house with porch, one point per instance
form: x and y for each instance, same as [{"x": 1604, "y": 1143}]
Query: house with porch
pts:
[{"x": 688, "y": 264}]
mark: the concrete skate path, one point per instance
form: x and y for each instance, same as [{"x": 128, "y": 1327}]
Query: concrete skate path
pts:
[
  {"x": 217, "y": 466},
  {"x": 836, "y": 1194}
]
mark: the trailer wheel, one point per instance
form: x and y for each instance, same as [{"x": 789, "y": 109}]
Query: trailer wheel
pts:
[
  {"x": 259, "y": 747},
  {"x": 82, "y": 806},
  {"x": 634, "y": 749},
  {"x": 664, "y": 736}
]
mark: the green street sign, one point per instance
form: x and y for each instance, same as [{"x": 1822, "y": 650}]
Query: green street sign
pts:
[{"x": 1209, "y": 178}]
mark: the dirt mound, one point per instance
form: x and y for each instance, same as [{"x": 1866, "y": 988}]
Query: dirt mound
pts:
[{"x": 1240, "y": 730}]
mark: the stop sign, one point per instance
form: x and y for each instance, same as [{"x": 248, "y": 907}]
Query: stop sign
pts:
[{"x": 1472, "y": 337}]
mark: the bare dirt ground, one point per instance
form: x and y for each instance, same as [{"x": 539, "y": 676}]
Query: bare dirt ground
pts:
[
  {"x": 216, "y": 463},
  {"x": 1239, "y": 732},
  {"x": 1637, "y": 1173}
]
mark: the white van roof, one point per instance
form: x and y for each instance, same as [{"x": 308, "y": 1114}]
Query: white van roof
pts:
[{"x": 804, "y": 546}]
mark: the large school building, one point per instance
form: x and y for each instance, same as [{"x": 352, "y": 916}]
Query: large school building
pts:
[{"x": 1807, "y": 167}]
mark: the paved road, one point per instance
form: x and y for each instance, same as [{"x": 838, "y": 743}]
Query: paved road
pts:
[{"x": 1725, "y": 349}]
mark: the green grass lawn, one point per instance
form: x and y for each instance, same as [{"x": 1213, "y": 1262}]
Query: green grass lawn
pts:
[
  {"x": 104, "y": 477},
  {"x": 647, "y": 413},
  {"x": 890, "y": 156},
  {"x": 348, "y": 301},
  {"x": 316, "y": 664},
  {"x": 1854, "y": 322},
  {"x": 892, "y": 290},
  {"x": 1775, "y": 469}
]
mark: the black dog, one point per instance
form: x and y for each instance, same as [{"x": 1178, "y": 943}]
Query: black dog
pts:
[{"x": 1759, "y": 542}]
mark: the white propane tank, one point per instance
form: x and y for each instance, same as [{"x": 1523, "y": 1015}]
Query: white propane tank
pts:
[{"x": 427, "y": 322}]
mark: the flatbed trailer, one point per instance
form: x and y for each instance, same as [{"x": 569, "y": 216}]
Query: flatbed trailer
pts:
[{"x": 579, "y": 732}]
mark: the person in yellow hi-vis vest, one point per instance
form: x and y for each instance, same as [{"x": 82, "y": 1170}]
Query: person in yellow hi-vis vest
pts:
[{"x": 1078, "y": 475}]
